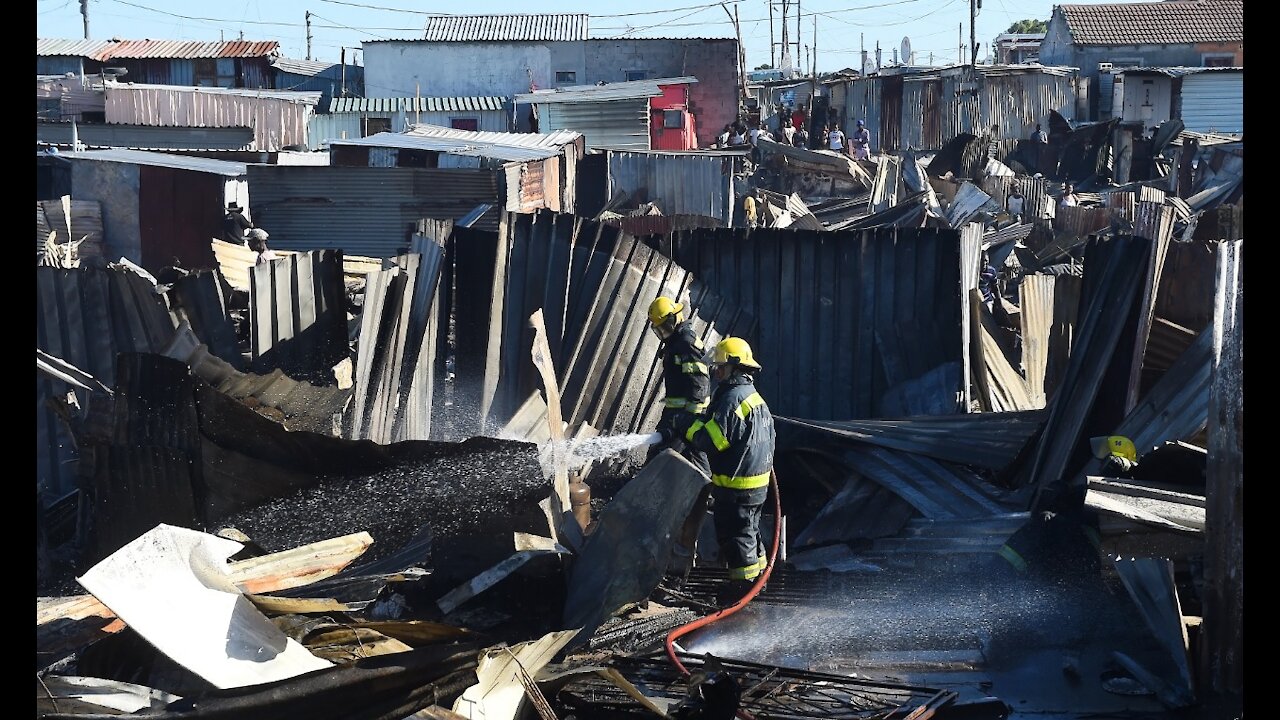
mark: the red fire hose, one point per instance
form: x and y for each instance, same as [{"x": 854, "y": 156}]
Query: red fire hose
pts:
[{"x": 755, "y": 589}]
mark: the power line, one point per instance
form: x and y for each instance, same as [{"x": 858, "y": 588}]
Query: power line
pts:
[
  {"x": 440, "y": 14},
  {"x": 650, "y": 27}
]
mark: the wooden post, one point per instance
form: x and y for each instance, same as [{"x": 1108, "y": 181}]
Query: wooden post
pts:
[{"x": 1222, "y": 639}]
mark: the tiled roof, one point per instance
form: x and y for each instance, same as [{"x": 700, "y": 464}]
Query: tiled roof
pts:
[
  {"x": 103, "y": 50},
  {"x": 463, "y": 28},
  {"x": 1169, "y": 22}
]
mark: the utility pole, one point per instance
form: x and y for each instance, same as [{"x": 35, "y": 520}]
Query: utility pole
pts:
[
  {"x": 786, "y": 45},
  {"x": 84, "y": 10},
  {"x": 879, "y": 64},
  {"x": 309, "y": 35},
  {"x": 773, "y": 46},
  {"x": 973, "y": 38},
  {"x": 815, "y": 49},
  {"x": 343, "y": 61},
  {"x": 960, "y": 47}
]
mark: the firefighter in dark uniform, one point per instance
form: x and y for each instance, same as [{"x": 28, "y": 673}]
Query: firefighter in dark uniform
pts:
[
  {"x": 736, "y": 431},
  {"x": 685, "y": 377}
]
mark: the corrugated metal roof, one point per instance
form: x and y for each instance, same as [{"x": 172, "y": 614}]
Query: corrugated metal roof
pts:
[
  {"x": 178, "y": 162},
  {"x": 361, "y": 210},
  {"x": 1172, "y": 22},
  {"x": 296, "y": 96},
  {"x": 295, "y": 66},
  {"x": 602, "y": 93},
  {"x": 1173, "y": 71},
  {"x": 470, "y": 28},
  {"x": 510, "y": 147},
  {"x": 143, "y": 137},
  {"x": 423, "y": 104},
  {"x": 103, "y": 50}
]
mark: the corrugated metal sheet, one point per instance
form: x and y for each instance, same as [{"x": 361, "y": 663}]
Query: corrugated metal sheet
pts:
[
  {"x": 911, "y": 119},
  {"x": 841, "y": 315},
  {"x": 498, "y": 145},
  {"x": 396, "y": 358},
  {"x": 619, "y": 124},
  {"x": 296, "y": 66},
  {"x": 278, "y": 118},
  {"x": 364, "y": 211},
  {"x": 1012, "y": 104},
  {"x": 969, "y": 200},
  {"x": 85, "y": 316},
  {"x": 863, "y": 103},
  {"x": 1112, "y": 283},
  {"x": 149, "y": 470},
  {"x": 984, "y": 440},
  {"x": 141, "y": 137},
  {"x": 936, "y": 490},
  {"x": 629, "y": 90},
  {"x": 1049, "y": 304},
  {"x": 567, "y": 27},
  {"x": 885, "y": 190},
  {"x": 411, "y": 141},
  {"x": 177, "y": 162},
  {"x": 1080, "y": 221},
  {"x": 594, "y": 286},
  {"x": 103, "y": 50},
  {"x": 1213, "y": 102},
  {"x": 199, "y": 299},
  {"x": 297, "y": 315},
  {"x": 680, "y": 184},
  {"x": 418, "y": 104}
]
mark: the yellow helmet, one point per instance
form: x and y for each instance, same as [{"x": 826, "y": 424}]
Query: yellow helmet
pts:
[
  {"x": 734, "y": 351},
  {"x": 1105, "y": 445},
  {"x": 661, "y": 310}
]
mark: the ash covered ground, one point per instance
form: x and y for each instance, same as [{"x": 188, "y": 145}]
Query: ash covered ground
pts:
[{"x": 472, "y": 498}]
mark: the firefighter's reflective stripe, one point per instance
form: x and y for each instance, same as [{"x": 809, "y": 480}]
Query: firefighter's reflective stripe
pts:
[
  {"x": 741, "y": 482},
  {"x": 717, "y": 435},
  {"x": 750, "y": 572},
  {"x": 746, "y": 406},
  {"x": 1013, "y": 557},
  {"x": 693, "y": 430},
  {"x": 675, "y": 403},
  {"x": 694, "y": 368}
]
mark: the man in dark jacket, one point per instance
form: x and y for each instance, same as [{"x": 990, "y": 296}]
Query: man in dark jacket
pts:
[
  {"x": 234, "y": 224},
  {"x": 736, "y": 431},
  {"x": 685, "y": 376}
]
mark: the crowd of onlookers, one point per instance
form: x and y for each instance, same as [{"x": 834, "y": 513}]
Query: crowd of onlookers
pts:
[{"x": 792, "y": 130}]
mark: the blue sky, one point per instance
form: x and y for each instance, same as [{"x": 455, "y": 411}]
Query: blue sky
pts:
[{"x": 932, "y": 25}]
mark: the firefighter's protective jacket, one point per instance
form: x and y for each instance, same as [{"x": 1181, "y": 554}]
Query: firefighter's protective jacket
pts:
[
  {"x": 736, "y": 432},
  {"x": 684, "y": 374}
]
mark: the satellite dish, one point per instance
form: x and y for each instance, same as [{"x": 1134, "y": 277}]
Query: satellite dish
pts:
[
  {"x": 868, "y": 65},
  {"x": 906, "y": 51}
]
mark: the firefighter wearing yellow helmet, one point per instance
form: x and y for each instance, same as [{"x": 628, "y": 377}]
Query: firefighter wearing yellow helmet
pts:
[
  {"x": 736, "y": 431},
  {"x": 685, "y": 376}
]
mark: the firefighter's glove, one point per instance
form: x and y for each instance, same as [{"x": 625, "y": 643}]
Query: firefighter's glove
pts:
[{"x": 1116, "y": 465}]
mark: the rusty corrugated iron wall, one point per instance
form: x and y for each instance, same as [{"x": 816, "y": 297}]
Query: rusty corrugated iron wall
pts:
[
  {"x": 396, "y": 357},
  {"x": 843, "y": 317},
  {"x": 86, "y": 316},
  {"x": 297, "y": 315}
]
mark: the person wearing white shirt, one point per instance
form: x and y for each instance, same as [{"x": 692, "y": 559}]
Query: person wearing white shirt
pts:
[
  {"x": 835, "y": 140},
  {"x": 1068, "y": 196}
]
